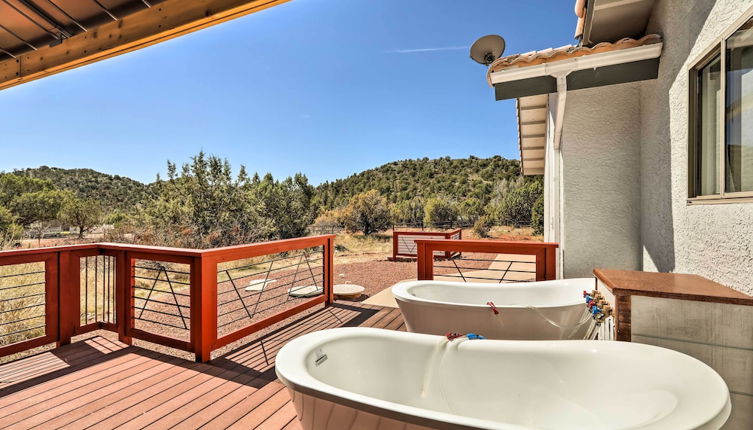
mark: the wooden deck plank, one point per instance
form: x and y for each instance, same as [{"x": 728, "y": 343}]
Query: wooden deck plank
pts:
[
  {"x": 72, "y": 402},
  {"x": 218, "y": 408},
  {"x": 249, "y": 357},
  {"x": 69, "y": 356},
  {"x": 276, "y": 421},
  {"x": 69, "y": 387},
  {"x": 130, "y": 395},
  {"x": 250, "y": 417},
  {"x": 101, "y": 383}
]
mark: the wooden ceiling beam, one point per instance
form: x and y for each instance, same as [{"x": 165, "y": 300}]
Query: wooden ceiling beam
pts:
[{"x": 163, "y": 21}]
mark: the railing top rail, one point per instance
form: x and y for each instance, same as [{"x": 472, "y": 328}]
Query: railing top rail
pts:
[
  {"x": 260, "y": 248},
  {"x": 34, "y": 251},
  {"x": 263, "y": 248},
  {"x": 426, "y": 233},
  {"x": 448, "y": 243}
]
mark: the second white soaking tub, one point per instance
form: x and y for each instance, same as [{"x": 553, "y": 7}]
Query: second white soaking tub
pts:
[
  {"x": 545, "y": 310},
  {"x": 366, "y": 378}
]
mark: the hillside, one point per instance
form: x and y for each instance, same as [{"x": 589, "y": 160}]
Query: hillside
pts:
[
  {"x": 397, "y": 181},
  {"x": 404, "y": 179},
  {"x": 113, "y": 191}
]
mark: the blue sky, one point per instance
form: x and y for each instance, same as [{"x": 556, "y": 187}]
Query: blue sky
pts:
[{"x": 324, "y": 87}]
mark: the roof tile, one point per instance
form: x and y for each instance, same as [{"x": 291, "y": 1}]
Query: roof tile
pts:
[{"x": 549, "y": 55}]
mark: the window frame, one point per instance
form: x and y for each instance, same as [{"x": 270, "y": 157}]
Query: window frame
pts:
[{"x": 717, "y": 48}]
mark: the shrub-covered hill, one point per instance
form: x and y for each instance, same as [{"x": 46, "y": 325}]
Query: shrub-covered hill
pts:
[
  {"x": 113, "y": 191},
  {"x": 402, "y": 180}
]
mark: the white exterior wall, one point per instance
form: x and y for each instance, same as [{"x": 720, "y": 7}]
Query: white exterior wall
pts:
[
  {"x": 600, "y": 180},
  {"x": 715, "y": 241}
]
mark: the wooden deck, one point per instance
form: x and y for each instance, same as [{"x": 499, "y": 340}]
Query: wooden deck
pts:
[{"x": 99, "y": 383}]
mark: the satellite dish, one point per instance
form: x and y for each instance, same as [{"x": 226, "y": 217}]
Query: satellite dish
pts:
[{"x": 487, "y": 49}]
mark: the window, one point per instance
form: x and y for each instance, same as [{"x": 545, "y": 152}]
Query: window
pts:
[{"x": 721, "y": 132}]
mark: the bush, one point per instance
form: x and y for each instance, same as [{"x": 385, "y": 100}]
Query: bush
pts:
[
  {"x": 470, "y": 209},
  {"x": 409, "y": 212},
  {"x": 368, "y": 212},
  {"x": 516, "y": 207},
  {"x": 537, "y": 216},
  {"x": 482, "y": 226},
  {"x": 439, "y": 212}
]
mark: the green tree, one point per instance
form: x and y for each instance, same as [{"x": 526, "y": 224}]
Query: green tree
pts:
[
  {"x": 367, "y": 212},
  {"x": 537, "y": 215},
  {"x": 440, "y": 212},
  {"x": 204, "y": 206},
  {"x": 409, "y": 212},
  {"x": 470, "y": 209},
  {"x": 10, "y": 232},
  {"x": 515, "y": 208},
  {"x": 38, "y": 209},
  {"x": 7, "y": 219},
  {"x": 83, "y": 214},
  {"x": 12, "y": 186}
]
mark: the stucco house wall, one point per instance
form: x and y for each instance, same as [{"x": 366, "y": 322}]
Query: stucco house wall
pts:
[
  {"x": 715, "y": 241},
  {"x": 600, "y": 180}
]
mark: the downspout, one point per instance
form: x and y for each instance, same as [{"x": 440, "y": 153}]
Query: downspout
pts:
[{"x": 561, "y": 100}]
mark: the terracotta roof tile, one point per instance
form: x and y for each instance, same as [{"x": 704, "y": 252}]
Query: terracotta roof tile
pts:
[{"x": 534, "y": 58}]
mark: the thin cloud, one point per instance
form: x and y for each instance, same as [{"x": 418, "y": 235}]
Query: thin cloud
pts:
[{"x": 417, "y": 50}]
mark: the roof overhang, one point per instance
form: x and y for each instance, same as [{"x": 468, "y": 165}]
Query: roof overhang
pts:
[
  {"x": 532, "y": 126},
  {"x": 587, "y": 71},
  {"x": 41, "y": 38}
]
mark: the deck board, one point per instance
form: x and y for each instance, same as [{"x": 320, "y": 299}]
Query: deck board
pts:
[{"x": 103, "y": 384}]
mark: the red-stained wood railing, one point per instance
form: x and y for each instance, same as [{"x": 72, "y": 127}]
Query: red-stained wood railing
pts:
[
  {"x": 64, "y": 265},
  {"x": 544, "y": 252},
  {"x": 404, "y": 242}
]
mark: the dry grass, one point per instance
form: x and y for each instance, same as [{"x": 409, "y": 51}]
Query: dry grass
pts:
[
  {"x": 22, "y": 299},
  {"x": 355, "y": 247},
  {"x": 504, "y": 232}
]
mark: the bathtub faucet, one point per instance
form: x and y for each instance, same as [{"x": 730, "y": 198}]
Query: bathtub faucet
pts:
[{"x": 470, "y": 336}]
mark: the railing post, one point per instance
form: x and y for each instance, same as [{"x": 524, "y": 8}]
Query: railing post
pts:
[
  {"x": 551, "y": 263},
  {"x": 124, "y": 281},
  {"x": 68, "y": 298},
  {"x": 395, "y": 238},
  {"x": 203, "y": 307},
  {"x": 329, "y": 270},
  {"x": 541, "y": 264},
  {"x": 425, "y": 261}
]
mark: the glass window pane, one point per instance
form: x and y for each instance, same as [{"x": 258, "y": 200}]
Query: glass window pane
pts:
[
  {"x": 739, "y": 107},
  {"x": 707, "y": 147}
]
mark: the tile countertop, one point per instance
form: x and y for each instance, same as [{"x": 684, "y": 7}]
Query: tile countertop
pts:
[{"x": 670, "y": 285}]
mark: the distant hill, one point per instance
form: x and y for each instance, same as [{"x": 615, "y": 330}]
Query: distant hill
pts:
[
  {"x": 397, "y": 181},
  {"x": 404, "y": 179},
  {"x": 113, "y": 191}
]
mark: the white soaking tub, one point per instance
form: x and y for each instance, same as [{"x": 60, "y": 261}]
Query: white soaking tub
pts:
[
  {"x": 366, "y": 378},
  {"x": 544, "y": 310}
]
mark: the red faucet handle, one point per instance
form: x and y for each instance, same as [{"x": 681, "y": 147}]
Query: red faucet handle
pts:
[
  {"x": 494, "y": 308},
  {"x": 451, "y": 335}
]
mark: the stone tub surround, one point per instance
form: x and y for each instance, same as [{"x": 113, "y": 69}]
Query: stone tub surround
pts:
[{"x": 692, "y": 315}]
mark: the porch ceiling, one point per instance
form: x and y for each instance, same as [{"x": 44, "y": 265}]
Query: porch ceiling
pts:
[
  {"x": 611, "y": 20},
  {"x": 42, "y": 37},
  {"x": 532, "y": 132}
]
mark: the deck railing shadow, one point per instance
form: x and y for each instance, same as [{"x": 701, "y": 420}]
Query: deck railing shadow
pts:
[{"x": 46, "y": 366}]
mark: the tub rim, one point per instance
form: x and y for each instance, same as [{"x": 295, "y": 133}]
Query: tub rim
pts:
[
  {"x": 400, "y": 292},
  {"x": 301, "y": 378}
]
